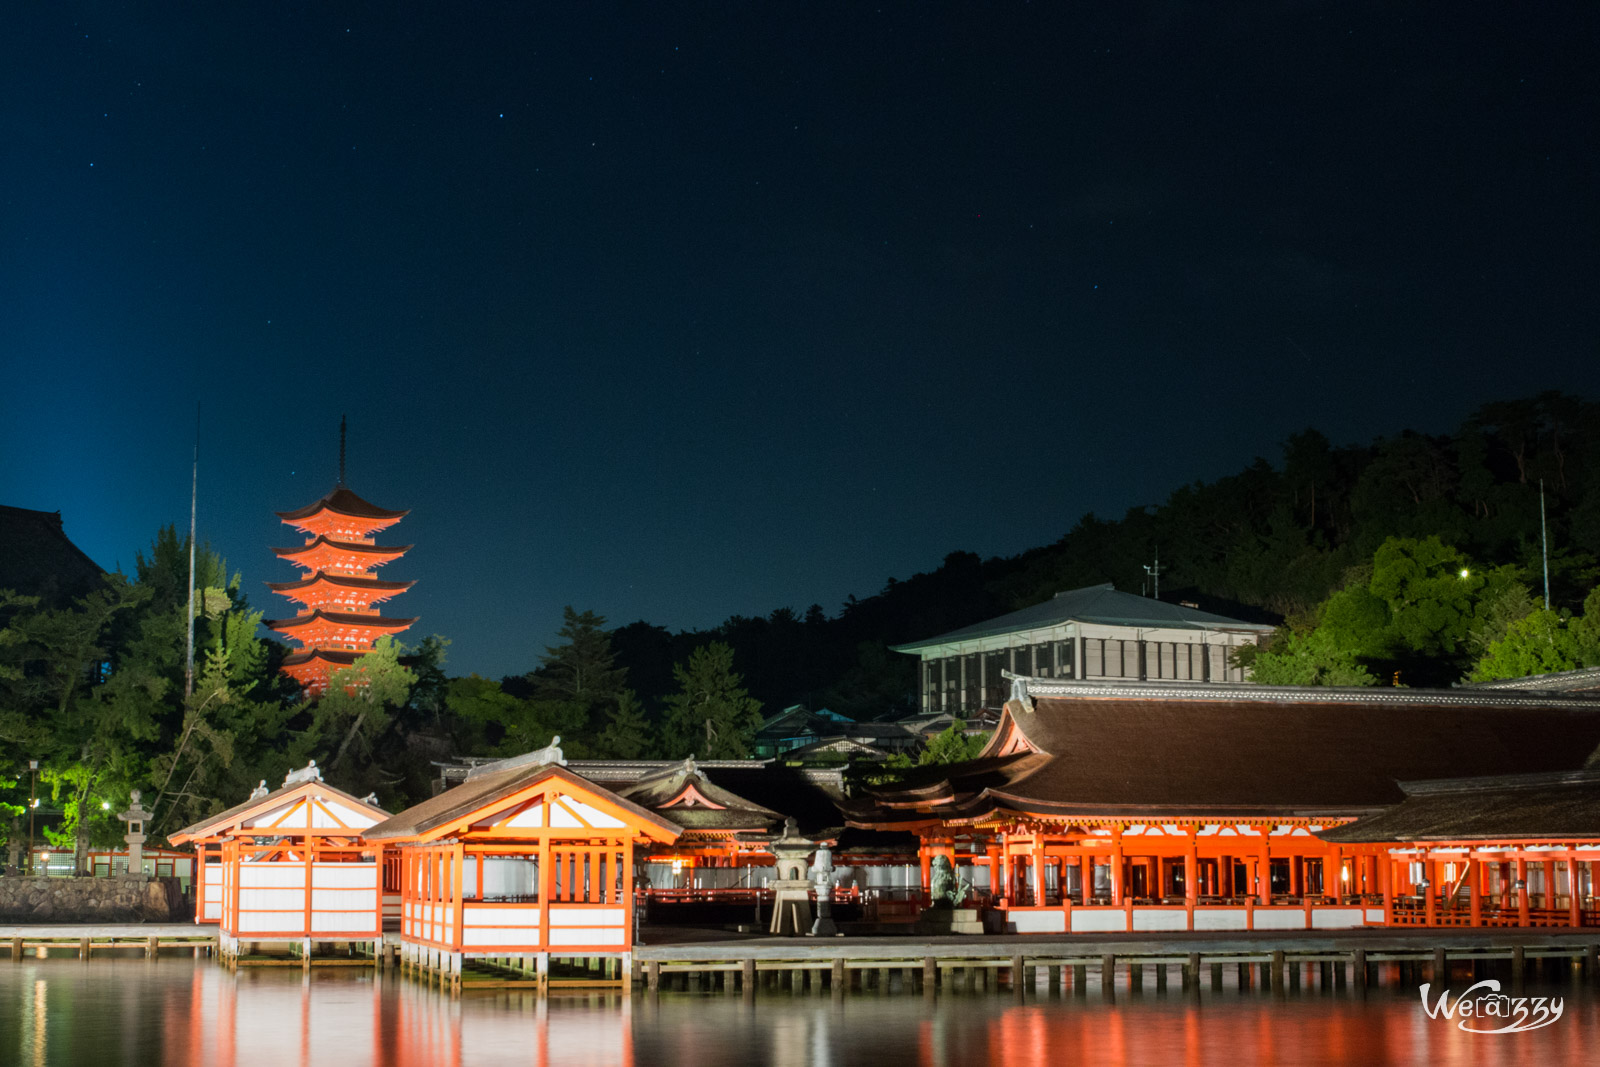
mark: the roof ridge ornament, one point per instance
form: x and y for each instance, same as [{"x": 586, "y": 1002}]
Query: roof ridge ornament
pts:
[
  {"x": 260, "y": 790},
  {"x": 1019, "y": 690},
  {"x": 308, "y": 773}
]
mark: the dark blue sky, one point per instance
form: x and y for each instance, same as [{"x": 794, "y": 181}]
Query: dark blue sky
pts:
[{"x": 676, "y": 314}]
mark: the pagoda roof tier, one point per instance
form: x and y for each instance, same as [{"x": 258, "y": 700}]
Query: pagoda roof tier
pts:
[
  {"x": 328, "y": 586},
  {"x": 324, "y": 553},
  {"x": 333, "y": 657},
  {"x": 341, "y": 510},
  {"x": 317, "y": 627}
]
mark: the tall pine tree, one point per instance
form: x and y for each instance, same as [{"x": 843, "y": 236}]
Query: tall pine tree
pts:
[{"x": 711, "y": 715}]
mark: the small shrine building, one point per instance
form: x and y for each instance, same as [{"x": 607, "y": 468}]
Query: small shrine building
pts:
[
  {"x": 524, "y": 859},
  {"x": 289, "y": 865}
]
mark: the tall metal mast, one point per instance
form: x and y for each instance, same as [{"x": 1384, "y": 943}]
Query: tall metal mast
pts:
[
  {"x": 1544, "y": 546},
  {"x": 194, "y": 493}
]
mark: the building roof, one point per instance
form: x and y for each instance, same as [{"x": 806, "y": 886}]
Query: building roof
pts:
[
  {"x": 343, "y": 546},
  {"x": 235, "y": 816},
  {"x": 343, "y": 581},
  {"x": 338, "y": 618},
  {"x": 1583, "y": 679},
  {"x": 811, "y": 795},
  {"x": 686, "y": 795},
  {"x": 37, "y": 558},
  {"x": 1563, "y": 806},
  {"x": 339, "y": 656},
  {"x": 1065, "y": 748},
  {"x": 343, "y": 502},
  {"x": 475, "y": 794},
  {"x": 1101, "y": 604}
]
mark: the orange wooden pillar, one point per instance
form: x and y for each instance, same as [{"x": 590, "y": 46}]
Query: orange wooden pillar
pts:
[
  {"x": 1086, "y": 877},
  {"x": 925, "y": 861},
  {"x": 1430, "y": 890},
  {"x": 1522, "y": 891},
  {"x": 1116, "y": 866},
  {"x": 1574, "y": 911},
  {"x": 1475, "y": 890},
  {"x": 1386, "y": 886},
  {"x": 1191, "y": 878},
  {"x": 1264, "y": 867},
  {"x": 1038, "y": 871}
]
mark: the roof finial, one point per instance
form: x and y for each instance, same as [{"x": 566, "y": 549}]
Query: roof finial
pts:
[{"x": 341, "y": 450}]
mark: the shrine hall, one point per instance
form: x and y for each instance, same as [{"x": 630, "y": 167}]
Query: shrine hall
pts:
[{"x": 1125, "y": 808}]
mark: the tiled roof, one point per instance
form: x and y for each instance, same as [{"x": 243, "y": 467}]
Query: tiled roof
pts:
[
  {"x": 1542, "y": 807},
  {"x": 477, "y": 793},
  {"x": 1249, "y": 749}
]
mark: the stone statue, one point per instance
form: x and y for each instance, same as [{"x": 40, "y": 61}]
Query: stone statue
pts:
[
  {"x": 308, "y": 773},
  {"x": 946, "y": 889}
]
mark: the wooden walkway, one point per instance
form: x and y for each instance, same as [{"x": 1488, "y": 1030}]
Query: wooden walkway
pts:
[
  {"x": 1272, "y": 959},
  {"x": 87, "y": 937}
]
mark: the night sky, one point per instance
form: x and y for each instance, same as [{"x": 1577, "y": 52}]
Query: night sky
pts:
[{"x": 678, "y": 311}]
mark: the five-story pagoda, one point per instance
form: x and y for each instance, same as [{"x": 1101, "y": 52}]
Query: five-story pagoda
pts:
[{"x": 337, "y": 623}]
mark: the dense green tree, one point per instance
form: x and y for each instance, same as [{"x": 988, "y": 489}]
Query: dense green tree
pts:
[
  {"x": 1310, "y": 657},
  {"x": 356, "y": 709},
  {"x": 627, "y": 733},
  {"x": 582, "y": 668},
  {"x": 711, "y": 715},
  {"x": 1542, "y": 642}
]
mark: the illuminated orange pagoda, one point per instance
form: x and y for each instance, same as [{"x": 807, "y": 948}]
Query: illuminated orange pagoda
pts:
[{"x": 338, "y": 621}]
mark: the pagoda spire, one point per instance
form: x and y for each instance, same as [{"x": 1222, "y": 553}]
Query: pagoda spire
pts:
[{"x": 341, "y": 451}]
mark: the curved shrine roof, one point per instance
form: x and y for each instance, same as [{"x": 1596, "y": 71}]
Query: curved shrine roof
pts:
[
  {"x": 339, "y": 618},
  {"x": 1239, "y": 750}
]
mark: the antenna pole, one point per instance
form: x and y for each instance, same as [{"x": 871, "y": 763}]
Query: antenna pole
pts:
[
  {"x": 1544, "y": 546},
  {"x": 194, "y": 494},
  {"x": 1153, "y": 572}
]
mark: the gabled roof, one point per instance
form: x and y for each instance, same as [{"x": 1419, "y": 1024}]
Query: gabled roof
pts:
[
  {"x": 1102, "y": 604},
  {"x": 235, "y": 817},
  {"x": 1537, "y": 807},
  {"x": 1240, "y": 749},
  {"x": 342, "y": 501},
  {"x": 461, "y": 805},
  {"x": 686, "y": 795}
]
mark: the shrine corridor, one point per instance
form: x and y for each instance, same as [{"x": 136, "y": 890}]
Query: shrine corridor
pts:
[{"x": 192, "y": 1012}]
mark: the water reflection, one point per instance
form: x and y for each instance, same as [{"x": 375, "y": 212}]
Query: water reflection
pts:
[{"x": 194, "y": 1012}]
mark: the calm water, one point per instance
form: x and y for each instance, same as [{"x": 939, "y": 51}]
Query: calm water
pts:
[{"x": 181, "y": 1011}]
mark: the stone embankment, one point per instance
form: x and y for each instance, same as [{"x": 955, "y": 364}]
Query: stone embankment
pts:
[{"x": 81, "y": 900}]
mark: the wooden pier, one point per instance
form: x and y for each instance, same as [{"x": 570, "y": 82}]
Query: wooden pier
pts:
[
  {"x": 710, "y": 960},
  {"x": 88, "y": 938},
  {"x": 1274, "y": 962}
]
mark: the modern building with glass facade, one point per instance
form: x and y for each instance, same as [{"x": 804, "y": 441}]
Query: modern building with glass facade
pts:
[{"x": 1092, "y": 634}]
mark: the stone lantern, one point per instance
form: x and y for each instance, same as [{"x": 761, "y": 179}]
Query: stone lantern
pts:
[
  {"x": 135, "y": 817},
  {"x": 822, "y": 873},
  {"x": 791, "y": 891}
]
